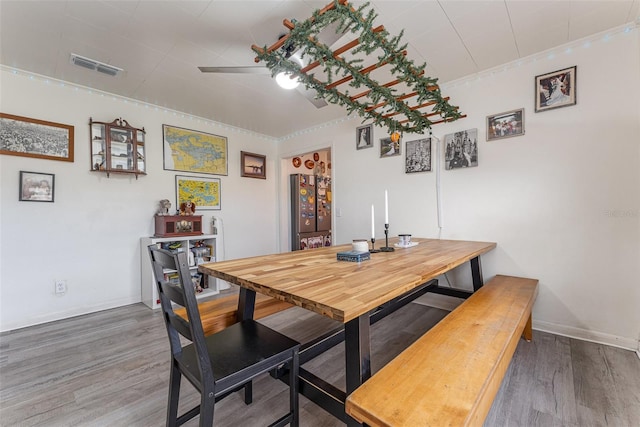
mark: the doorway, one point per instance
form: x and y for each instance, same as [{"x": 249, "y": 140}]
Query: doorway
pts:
[{"x": 318, "y": 163}]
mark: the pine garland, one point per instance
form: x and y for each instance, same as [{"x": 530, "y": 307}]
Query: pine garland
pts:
[{"x": 360, "y": 22}]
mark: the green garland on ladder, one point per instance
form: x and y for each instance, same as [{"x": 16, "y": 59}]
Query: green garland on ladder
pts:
[{"x": 360, "y": 22}]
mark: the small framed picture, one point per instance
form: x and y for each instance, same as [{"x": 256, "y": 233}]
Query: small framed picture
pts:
[
  {"x": 461, "y": 149},
  {"x": 505, "y": 125},
  {"x": 253, "y": 165},
  {"x": 389, "y": 148},
  {"x": 556, "y": 89},
  {"x": 364, "y": 137},
  {"x": 36, "y": 187},
  {"x": 418, "y": 156}
]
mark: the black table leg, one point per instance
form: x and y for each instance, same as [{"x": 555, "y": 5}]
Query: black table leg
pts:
[
  {"x": 476, "y": 273},
  {"x": 357, "y": 355},
  {"x": 246, "y": 304}
]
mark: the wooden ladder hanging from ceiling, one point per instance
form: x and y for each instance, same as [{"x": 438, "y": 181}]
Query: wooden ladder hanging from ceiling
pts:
[{"x": 415, "y": 117}]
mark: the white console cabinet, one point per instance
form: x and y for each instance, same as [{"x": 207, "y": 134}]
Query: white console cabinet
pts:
[{"x": 213, "y": 245}]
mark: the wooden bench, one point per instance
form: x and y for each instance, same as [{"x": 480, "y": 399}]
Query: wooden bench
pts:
[
  {"x": 450, "y": 375},
  {"x": 220, "y": 313}
]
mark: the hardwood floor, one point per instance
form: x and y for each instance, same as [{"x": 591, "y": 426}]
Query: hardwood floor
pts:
[{"x": 111, "y": 369}]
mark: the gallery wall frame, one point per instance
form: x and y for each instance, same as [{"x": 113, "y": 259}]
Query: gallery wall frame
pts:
[
  {"x": 28, "y": 137},
  {"x": 505, "y": 125},
  {"x": 186, "y": 150},
  {"x": 418, "y": 156},
  {"x": 253, "y": 165},
  {"x": 556, "y": 89},
  {"x": 389, "y": 148},
  {"x": 364, "y": 136},
  {"x": 36, "y": 187},
  {"x": 204, "y": 192},
  {"x": 461, "y": 149}
]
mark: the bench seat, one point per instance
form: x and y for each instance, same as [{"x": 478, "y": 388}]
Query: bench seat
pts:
[
  {"x": 217, "y": 314},
  {"x": 450, "y": 375}
]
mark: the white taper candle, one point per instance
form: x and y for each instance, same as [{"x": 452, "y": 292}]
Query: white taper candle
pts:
[
  {"x": 386, "y": 208},
  {"x": 373, "y": 221}
]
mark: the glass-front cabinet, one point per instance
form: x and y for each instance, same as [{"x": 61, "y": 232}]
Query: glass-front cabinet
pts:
[{"x": 117, "y": 147}]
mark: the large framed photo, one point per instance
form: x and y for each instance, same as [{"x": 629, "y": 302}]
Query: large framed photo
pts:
[
  {"x": 203, "y": 192},
  {"x": 364, "y": 137},
  {"x": 461, "y": 149},
  {"x": 253, "y": 165},
  {"x": 505, "y": 125},
  {"x": 26, "y": 137},
  {"x": 36, "y": 187},
  {"x": 556, "y": 89},
  {"x": 192, "y": 151},
  {"x": 418, "y": 156}
]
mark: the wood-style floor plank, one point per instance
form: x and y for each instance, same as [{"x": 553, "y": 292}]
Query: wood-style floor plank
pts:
[{"x": 111, "y": 369}]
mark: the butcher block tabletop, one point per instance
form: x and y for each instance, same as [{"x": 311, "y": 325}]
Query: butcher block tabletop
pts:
[{"x": 342, "y": 290}]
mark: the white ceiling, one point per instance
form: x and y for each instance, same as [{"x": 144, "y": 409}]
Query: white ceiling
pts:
[{"x": 160, "y": 44}]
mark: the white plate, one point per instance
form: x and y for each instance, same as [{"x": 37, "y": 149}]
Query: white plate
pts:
[{"x": 411, "y": 244}]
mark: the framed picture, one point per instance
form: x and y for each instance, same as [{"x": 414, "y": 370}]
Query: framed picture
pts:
[
  {"x": 418, "y": 156},
  {"x": 389, "y": 148},
  {"x": 204, "y": 193},
  {"x": 556, "y": 89},
  {"x": 364, "y": 137},
  {"x": 253, "y": 165},
  {"x": 505, "y": 125},
  {"x": 36, "y": 187},
  {"x": 461, "y": 149},
  {"x": 26, "y": 137},
  {"x": 192, "y": 151}
]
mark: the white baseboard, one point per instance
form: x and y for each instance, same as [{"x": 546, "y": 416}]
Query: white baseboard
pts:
[
  {"x": 61, "y": 315},
  {"x": 447, "y": 303},
  {"x": 586, "y": 335}
]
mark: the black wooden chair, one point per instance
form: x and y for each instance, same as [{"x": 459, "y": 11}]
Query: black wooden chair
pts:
[{"x": 221, "y": 363}]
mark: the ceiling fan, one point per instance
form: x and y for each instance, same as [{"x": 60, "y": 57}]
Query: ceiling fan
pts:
[{"x": 329, "y": 36}]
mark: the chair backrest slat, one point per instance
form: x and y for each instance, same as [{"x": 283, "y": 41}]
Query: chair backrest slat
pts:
[
  {"x": 174, "y": 292},
  {"x": 181, "y": 325}
]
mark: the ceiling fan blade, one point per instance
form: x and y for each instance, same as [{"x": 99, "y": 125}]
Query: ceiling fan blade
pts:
[
  {"x": 249, "y": 69},
  {"x": 310, "y": 94}
]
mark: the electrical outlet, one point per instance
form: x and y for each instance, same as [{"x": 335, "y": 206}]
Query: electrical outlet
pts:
[{"x": 61, "y": 286}]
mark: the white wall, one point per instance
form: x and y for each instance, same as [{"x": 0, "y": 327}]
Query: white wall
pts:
[
  {"x": 90, "y": 235},
  {"x": 562, "y": 201}
]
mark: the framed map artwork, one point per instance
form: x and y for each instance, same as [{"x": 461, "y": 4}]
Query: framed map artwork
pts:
[
  {"x": 203, "y": 192},
  {"x": 195, "y": 152}
]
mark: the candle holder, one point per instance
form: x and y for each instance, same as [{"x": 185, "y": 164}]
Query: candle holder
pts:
[
  {"x": 386, "y": 247},
  {"x": 373, "y": 249}
]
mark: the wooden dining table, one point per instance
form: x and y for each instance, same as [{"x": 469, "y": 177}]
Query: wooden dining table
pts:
[{"x": 357, "y": 294}]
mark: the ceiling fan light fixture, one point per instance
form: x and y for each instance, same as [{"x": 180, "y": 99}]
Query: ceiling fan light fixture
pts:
[{"x": 285, "y": 81}]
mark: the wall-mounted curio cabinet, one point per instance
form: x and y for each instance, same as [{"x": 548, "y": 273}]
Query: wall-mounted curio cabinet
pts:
[{"x": 117, "y": 147}]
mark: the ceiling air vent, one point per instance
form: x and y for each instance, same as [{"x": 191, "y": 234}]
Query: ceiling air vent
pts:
[{"x": 92, "y": 64}]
